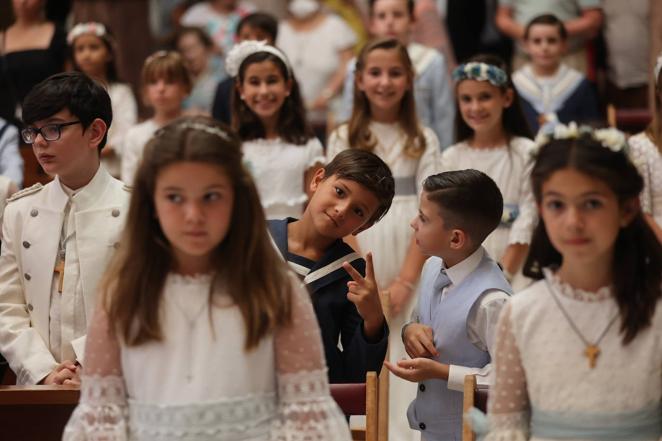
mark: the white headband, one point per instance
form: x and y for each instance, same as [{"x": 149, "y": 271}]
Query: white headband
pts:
[
  {"x": 92, "y": 27},
  {"x": 241, "y": 51}
]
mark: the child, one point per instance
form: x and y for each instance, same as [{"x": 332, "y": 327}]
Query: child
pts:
[
  {"x": 267, "y": 111},
  {"x": 93, "y": 53},
  {"x": 493, "y": 138},
  {"x": 384, "y": 121},
  {"x": 595, "y": 314},
  {"x": 188, "y": 342},
  {"x": 166, "y": 83},
  {"x": 349, "y": 195},
  {"x": 205, "y": 68},
  {"x": 461, "y": 293},
  {"x": 257, "y": 26},
  {"x": 646, "y": 153},
  {"x": 550, "y": 90},
  {"x": 432, "y": 88},
  {"x": 219, "y": 18},
  {"x": 58, "y": 238}
]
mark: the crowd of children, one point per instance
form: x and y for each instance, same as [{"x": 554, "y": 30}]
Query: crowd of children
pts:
[{"x": 209, "y": 277}]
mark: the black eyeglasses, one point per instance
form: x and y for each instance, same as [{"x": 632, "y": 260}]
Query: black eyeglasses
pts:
[{"x": 50, "y": 132}]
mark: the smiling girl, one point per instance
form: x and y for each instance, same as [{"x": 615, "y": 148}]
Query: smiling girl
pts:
[
  {"x": 493, "y": 137},
  {"x": 579, "y": 353},
  {"x": 186, "y": 343},
  {"x": 267, "y": 111},
  {"x": 93, "y": 53}
]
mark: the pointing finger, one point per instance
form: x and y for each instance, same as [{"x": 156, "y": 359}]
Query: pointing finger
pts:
[{"x": 355, "y": 275}]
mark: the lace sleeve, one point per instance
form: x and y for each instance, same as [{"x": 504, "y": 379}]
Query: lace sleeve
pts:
[
  {"x": 101, "y": 414},
  {"x": 508, "y": 406},
  {"x": 306, "y": 409}
]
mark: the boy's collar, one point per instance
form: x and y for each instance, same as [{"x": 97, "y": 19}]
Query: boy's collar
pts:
[{"x": 458, "y": 272}]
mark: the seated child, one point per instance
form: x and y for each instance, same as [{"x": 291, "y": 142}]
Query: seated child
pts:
[
  {"x": 349, "y": 195},
  {"x": 461, "y": 293},
  {"x": 549, "y": 90},
  {"x": 58, "y": 238}
]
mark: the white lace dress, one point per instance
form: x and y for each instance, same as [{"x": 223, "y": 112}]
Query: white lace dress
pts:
[
  {"x": 279, "y": 169},
  {"x": 542, "y": 372},
  {"x": 647, "y": 158},
  {"x": 199, "y": 384}
]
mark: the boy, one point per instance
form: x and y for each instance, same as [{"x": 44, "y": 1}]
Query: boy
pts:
[
  {"x": 434, "y": 100},
  {"x": 59, "y": 237},
  {"x": 549, "y": 90},
  {"x": 349, "y": 195},
  {"x": 461, "y": 293},
  {"x": 257, "y": 26}
]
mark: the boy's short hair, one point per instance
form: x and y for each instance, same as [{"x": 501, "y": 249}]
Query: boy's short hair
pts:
[
  {"x": 547, "y": 19},
  {"x": 85, "y": 98},
  {"x": 267, "y": 23},
  {"x": 368, "y": 170},
  {"x": 410, "y": 7},
  {"x": 469, "y": 200},
  {"x": 168, "y": 65}
]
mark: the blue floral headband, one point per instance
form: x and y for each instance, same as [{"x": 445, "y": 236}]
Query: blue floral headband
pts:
[{"x": 480, "y": 72}]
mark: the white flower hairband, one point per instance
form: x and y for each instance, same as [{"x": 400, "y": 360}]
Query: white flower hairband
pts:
[
  {"x": 610, "y": 138},
  {"x": 91, "y": 27},
  {"x": 199, "y": 126},
  {"x": 242, "y": 50}
]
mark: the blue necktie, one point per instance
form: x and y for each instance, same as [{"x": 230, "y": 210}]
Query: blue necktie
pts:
[{"x": 442, "y": 281}]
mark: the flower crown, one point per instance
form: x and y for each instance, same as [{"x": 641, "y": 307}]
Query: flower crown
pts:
[
  {"x": 91, "y": 27},
  {"x": 611, "y": 138},
  {"x": 241, "y": 51},
  {"x": 480, "y": 72}
]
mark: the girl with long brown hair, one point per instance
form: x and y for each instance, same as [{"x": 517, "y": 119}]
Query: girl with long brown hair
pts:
[
  {"x": 201, "y": 333},
  {"x": 384, "y": 121}
]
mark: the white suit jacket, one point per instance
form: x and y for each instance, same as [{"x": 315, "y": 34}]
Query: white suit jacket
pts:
[{"x": 31, "y": 233}]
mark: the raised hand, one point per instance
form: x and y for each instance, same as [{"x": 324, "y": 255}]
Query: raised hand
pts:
[
  {"x": 364, "y": 293},
  {"x": 419, "y": 341}
]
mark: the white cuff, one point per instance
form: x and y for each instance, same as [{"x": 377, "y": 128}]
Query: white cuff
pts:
[
  {"x": 457, "y": 373},
  {"x": 78, "y": 346}
]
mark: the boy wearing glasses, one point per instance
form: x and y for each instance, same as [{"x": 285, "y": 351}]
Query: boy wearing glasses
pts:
[{"x": 58, "y": 238}]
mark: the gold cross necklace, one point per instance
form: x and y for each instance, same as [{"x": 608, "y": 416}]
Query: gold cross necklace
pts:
[{"x": 591, "y": 350}]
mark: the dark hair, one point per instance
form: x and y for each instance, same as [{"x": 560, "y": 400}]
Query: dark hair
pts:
[
  {"x": 292, "y": 124},
  {"x": 108, "y": 41},
  {"x": 132, "y": 286},
  {"x": 358, "y": 126},
  {"x": 469, "y": 200},
  {"x": 410, "y": 7},
  {"x": 637, "y": 262},
  {"x": 262, "y": 21},
  {"x": 85, "y": 98},
  {"x": 547, "y": 19},
  {"x": 367, "y": 169},
  {"x": 514, "y": 122},
  {"x": 204, "y": 38}
]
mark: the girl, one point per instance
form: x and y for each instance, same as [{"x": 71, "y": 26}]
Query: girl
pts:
[
  {"x": 494, "y": 138},
  {"x": 93, "y": 53},
  {"x": 384, "y": 121},
  {"x": 206, "y": 68},
  {"x": 646, "y": 153},
  {"x": 186, "y": 343},
  {"x": 267, "y": 112},
  {"x": 166, "y": 83},
  {"x": 595, "y": 315}
]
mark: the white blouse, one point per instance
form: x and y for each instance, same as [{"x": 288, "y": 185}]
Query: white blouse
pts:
[
  {"x": 200, "y": 384},
  {"x": 647, "y": 158},
  {"x": 279, "y": 169}
]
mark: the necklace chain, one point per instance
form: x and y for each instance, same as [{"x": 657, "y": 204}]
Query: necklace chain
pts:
[{"x": 592, "y": 349}]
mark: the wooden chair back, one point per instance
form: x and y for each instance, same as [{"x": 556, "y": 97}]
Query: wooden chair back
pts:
[
  {"x": 628, "y": 120},
  {"x": 473, "y": 397},
  {"x": 360, "y": 399}
]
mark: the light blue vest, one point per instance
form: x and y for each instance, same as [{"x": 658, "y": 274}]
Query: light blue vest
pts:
[{"x": 437, "y": 411}]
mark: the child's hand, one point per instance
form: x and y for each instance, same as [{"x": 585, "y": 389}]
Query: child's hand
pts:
[
  {"x": 419, "y": 341},
  {"x": 418, "y": 369},
  {"x": 363, "y": 292},
  {"x": 62, "y": 372},
  {"x": 75, "y": 380}
]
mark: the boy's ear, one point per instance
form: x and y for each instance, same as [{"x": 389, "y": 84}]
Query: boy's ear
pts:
[
  {"x": 97, "y": 130},
  {"x": 317, "y": 179},
  {"x": 459, "y": 239}
]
